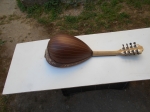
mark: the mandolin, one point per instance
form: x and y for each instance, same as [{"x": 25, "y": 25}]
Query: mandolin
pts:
[{"x": 65, "y": 50}]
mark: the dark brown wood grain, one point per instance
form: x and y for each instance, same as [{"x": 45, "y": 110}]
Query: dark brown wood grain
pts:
[
  {"x": 53, "y": 63},
  {"x": 66, "y": 49}
]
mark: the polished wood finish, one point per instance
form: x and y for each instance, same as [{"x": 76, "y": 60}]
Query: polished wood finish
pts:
[{"x": 66, "y": 49}]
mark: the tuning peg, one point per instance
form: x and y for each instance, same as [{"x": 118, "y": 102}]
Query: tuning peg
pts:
[
  {"x": 127, "y": 46},
  {"x": 137, "y": 51},
  {"x": 133, "y": 52},
  {"x": 123, "y": 47},
  {"x": 134, "y": 44},
  {"x": 129, "y": 53},
  {"x": 130, "y": 45},
  {"x": 125, "y": 53}
]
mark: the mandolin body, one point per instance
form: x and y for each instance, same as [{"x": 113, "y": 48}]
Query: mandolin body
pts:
[{"x": 64, "y": 50}]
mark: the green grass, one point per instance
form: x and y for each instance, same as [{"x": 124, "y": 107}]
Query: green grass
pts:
[
  {"x": 94, "y": 18},
  {"x": 51, "y": 8},
  {"x": 43, "y": 20},
  {"x": 138, "y": 3},
  {"x": 97, "y": 15},
  {"x": 7, "y": 19},
  {"x": 2, "y": 42},
  {"x": 71, "y": 19},
  {"x": 146, "y": 21},
  {"x": 3, "y": 104},
  {"x": 21, "y": 6}
]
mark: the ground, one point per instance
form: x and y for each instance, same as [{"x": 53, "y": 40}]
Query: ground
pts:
[{"x": 16, "y": 27}]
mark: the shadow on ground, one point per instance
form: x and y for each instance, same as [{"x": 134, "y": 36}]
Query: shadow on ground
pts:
[{"x": 134, "y": 99}]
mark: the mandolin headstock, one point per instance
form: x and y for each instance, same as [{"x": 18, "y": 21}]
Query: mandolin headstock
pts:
[{"x": 131, "y": 49}]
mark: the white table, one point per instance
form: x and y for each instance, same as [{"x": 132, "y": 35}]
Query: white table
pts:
[{"x": 29, "y": 71}]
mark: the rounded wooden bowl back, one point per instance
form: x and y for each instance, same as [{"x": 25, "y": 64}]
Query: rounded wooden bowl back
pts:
[{"x": 64, "y": 49}]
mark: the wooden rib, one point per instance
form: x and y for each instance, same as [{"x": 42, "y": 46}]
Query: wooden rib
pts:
[
  {"x": 61, "y": 65},
  {"x": 67, "y": 49}
]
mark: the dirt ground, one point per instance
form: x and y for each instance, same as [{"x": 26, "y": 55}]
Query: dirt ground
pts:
[{"x": 16, "y": 28}]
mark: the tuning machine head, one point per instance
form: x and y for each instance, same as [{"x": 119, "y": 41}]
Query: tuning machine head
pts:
[{"x": 131, "y": 49}]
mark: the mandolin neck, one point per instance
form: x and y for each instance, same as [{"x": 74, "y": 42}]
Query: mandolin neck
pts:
[{"x": 106, "y": 53}]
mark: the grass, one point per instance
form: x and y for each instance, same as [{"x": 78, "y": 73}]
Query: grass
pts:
[
  {"x": 92, "y": 19},
  {"x": 3, "y": 104},
  {"x": 146, "y": 21},
  {"x": 51, "y": 8},
  {"x": 138, "y": 3},
  {"x": 71, "y": 19},
  {"x": 7, "y": 19},
  {"x": 2, "y": 42},
  {"x": 97, "y": 15}
]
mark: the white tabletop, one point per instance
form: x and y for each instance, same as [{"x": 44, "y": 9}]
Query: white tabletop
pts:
[{"x": 29, "y": 71}]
